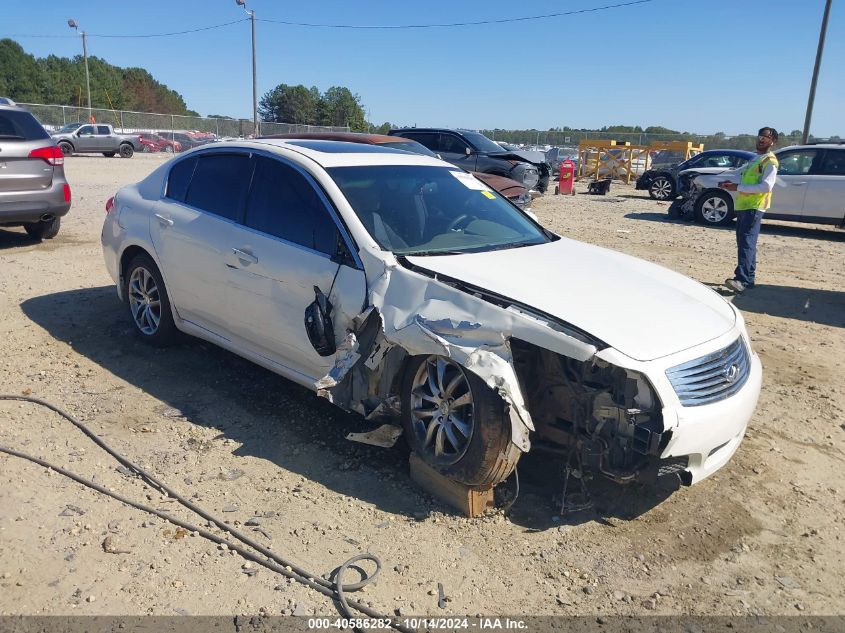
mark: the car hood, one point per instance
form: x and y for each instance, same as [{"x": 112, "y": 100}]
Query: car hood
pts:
[
  {"x": 537, "y": 158},
  {"x": 643, "y": 310},
  {"x": 506, "y": 186},
  {"x": 709, "y": 171}
]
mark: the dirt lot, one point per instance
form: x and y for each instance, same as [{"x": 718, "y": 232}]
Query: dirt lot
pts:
[{"x": 764, "y": 535}]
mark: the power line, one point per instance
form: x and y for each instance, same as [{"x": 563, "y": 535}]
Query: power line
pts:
[
  {"x": 456, "y": 24},
  {"x": 146, "y": 35}
]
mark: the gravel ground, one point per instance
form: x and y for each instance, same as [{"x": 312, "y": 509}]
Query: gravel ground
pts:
[{"x": 762, "y": 536}]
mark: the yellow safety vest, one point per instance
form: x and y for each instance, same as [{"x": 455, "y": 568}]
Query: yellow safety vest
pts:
[{"x": 752, "y": 175}]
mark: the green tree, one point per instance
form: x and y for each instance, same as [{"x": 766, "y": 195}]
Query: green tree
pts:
[
  {"x": 20, "y": 75},
  {"x": 340, "y": 107},
  {"x": 291, "y": 104}
]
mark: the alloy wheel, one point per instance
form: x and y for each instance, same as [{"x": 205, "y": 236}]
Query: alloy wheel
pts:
[
  {"x": 714, "y": 209},
  {"x": 144, "y": 301},
  {"x": 442, "y": 410},
  {"x": 661, "y": 188}
]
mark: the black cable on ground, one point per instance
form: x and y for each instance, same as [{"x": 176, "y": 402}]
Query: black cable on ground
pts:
[{"x": 335, "y": 589}]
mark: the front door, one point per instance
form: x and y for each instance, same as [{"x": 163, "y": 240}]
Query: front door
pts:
[
  {"x": 286, "y": 246},
  {"x": 792, "y": 182}
]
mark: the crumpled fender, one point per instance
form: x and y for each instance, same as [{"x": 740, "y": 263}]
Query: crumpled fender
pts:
[{"x": 425, "y": 316}]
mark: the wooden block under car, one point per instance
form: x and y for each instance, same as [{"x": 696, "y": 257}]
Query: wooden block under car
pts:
[{"x": 473, "y": 502}]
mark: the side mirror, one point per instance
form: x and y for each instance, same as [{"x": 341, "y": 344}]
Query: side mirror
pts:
[
  {"x": 468, "y": 151},
  {"x": 318, "y": 324}
]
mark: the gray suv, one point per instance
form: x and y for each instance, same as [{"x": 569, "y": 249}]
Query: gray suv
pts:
[{"x": 33, "y": 190}]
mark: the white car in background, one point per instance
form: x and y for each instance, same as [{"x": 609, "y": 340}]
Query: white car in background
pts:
[
  {"x": 402, "y": 288},
  {"x": 810, "y": 187}
]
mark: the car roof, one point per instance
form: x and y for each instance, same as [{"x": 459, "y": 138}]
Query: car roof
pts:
[
  {"x": 351, "y": 137},
  {"x": 730, "y": 152},
  {"x": 334, "y": 153}
]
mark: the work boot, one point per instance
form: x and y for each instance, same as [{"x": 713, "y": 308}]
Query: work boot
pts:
[{"x": 735, "y": 284}]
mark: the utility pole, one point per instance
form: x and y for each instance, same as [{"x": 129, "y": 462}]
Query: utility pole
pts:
[
  {"x": 73, "y": 24},
  {"x": 251, "y": 13},
  {"x": 809, "y": 116}
]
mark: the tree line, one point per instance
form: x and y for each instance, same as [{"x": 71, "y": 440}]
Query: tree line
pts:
[{"x": 61, "y": 80}]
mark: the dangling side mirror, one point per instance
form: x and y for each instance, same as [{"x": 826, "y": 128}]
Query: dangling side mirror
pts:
[{"x": 318, "y": 324}]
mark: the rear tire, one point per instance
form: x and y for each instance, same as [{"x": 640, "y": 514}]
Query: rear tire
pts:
[
  {"x": 437, "y": 429},
  {"x": 126, "y": 150},
  {"x": 715, "y": 208},
  {"x": 43, "y": 230},
  {"x": 148, "y": 302}
]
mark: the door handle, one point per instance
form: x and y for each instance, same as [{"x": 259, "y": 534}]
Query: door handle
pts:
[
  {"x": 163, "y": 220},
  {"x": 798, "y": 184},
  {"x": 244, "y": 256}
]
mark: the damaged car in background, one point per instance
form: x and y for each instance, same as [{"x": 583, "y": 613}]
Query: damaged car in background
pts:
[{"x": 406, "y": 290}]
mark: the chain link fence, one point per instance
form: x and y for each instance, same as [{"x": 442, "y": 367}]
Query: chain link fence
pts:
[{"x": 53, "y": 117}]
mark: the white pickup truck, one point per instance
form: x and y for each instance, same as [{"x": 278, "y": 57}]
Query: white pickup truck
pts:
[{"x": 97, "y": 138}]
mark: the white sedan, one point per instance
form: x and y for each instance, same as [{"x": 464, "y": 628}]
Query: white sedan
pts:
[{"x": 402, "y": 288}]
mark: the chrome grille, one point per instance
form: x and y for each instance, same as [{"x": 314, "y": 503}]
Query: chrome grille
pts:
[{"x": 713, "y": 377}]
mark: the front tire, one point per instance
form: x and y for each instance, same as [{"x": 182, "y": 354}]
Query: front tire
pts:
[
  {"x": 126, "y": 150},
  {"x": 148, "y": 302},
  {"x": 43, "y": 230},
  {"x": 456, "y": 423},
  {"x": 662, "y": 188},
  {"x": 67, "y": 148},
  {"x": 715, "y": 208}
]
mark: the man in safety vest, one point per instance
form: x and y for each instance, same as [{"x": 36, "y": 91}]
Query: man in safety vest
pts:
[{"x": 754, "y": 196}]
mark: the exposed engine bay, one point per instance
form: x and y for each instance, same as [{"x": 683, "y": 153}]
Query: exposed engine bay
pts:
[{"x": 610, "y": 416}]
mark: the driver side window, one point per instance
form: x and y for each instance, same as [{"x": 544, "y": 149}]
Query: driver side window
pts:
[
  {"x": 86, "y": 129},
  {"x": 796, "y": 163},
  {"x": 452, "y": 144}
]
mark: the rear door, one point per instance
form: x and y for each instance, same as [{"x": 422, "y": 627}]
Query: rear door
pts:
[
  {"x": 20, "y": 133},
  {"x": 825, "y": 200},
  {"x": 794, "y": 175},
  {"x": 192, "y": 229},
  {"x": 105, "y": 138},
  {"x": 285, "y": 248}
]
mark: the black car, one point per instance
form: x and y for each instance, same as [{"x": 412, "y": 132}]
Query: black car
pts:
[
  {"x": 475, "y": 152},
  {"x": 663, "y": 184}
]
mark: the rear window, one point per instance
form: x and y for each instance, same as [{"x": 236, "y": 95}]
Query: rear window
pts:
[
  {"x": 180, "y": 178},
  {"x": 219, "y": 184},
  {"x": 19, "y": 125}
]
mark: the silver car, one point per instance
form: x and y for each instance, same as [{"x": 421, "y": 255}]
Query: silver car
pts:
[
  {"x": 810, "y": 187},
  {"x": 33, "y": 190}
]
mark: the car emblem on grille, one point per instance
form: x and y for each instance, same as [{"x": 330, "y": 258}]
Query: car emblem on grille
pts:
[{"x": 731, "y": 374}]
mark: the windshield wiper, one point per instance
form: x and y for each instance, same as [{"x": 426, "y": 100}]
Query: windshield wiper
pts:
[
  {"x": 501, "y": 247},
  {"x": 426, "y": 253}
]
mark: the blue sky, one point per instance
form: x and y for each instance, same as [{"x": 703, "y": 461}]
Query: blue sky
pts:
[{"x": 695, "y": 65}]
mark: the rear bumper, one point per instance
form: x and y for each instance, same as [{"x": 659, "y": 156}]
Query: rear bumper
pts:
[{"x": 18, "y": 207}]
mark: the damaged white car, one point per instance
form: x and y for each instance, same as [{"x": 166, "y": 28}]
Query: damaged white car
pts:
[{"x": 402, "y": 288}]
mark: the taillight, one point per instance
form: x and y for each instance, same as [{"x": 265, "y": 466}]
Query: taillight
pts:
[
  {"x": 109, "y": 204},
  {"x": 52, "y": 155},
  {"x": 66, "y": 190}
]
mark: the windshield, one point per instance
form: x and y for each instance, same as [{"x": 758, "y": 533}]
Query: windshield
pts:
[
  {"x": 70, "y": 127},
  {"x": 415, "y": 210},
  {"x": 482, "y": 143}
]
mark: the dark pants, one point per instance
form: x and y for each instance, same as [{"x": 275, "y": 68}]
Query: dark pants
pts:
[{"x": 747, "y": 232}]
